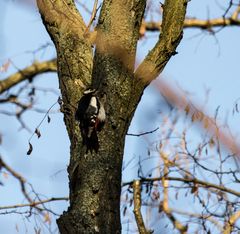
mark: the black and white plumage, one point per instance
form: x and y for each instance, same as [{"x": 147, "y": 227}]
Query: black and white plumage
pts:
[{"x": 91, "y": 115}]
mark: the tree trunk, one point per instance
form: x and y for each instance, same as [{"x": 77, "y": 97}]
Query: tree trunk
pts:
[{"x": 95, "y": 179}]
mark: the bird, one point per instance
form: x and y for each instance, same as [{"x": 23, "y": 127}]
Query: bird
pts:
[{"x": 91, "y": 116}]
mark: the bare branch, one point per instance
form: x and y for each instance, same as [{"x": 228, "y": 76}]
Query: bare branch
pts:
[
  {"x": 37, "y": 203},
  {"x": 93, "y": 15},
  {"x": 44, "y": 117},
  {"x": 192, "y": 181},
  {"x": 172, "y": 27},
  {"x": 36, "y": 68},
  {"x": 178, "y": 99},
  {"x": 232, "y": 220},
  {"x": 33, "y": 204},
  {"x": 142, "y": 134},
  {"x": 137, "y": 207},
  {"x": 200, "y": 216},
  {"x": 165, "y": 206},
  {"x": 21, "y": 180},
  {"x": 197, "y": 23},
  {"x": 78, "y": 2},
  {"x": 207, "y": 24}
]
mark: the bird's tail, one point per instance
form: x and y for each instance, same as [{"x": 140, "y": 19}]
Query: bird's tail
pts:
[{"x": 92, "y": 142}]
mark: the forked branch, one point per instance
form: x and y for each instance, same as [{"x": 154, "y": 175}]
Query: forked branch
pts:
[{"x": 172, "y": 30}]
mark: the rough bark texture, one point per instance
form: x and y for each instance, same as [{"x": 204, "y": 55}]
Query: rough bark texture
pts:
[{"x": 95, "y": 179}]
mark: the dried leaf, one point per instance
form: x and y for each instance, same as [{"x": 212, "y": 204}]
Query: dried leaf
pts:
[
  {"x": 147, "y": 188},
  {"x": 216, "y": 112},
  {"x": 156, "y": 195},
  {"x": 160, "y": 207},
  {"x": 200, "y": 116},
  {"x": 194, "y": 190},
  {"x": 47, "y": 218},
  {"x": 5, "y": 66},
  {"x": 199, "y": 150},
  {"x": 211, "y": 143},
  {"x": 30, "y": 149},
  {"x": 48, "y": 119},
  {"x": 130, "y": 202},
  {"x": 32, "y": 92},
  {"x": 187, "y": 109},
  {"x": 205, "y": 123},
  {"x": 37, "y": 132},
  {"x": 218, "y": 149},
  {"x": 124, "y": 210},
  {"x": 194, "y": 117},
  {"x": 5, "y": 175}
]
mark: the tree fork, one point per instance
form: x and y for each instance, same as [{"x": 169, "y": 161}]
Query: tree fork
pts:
[{"x": 95, "y": 180}]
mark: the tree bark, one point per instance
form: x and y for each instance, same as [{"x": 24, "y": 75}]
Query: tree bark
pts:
[{"x": 95, "y": 179}]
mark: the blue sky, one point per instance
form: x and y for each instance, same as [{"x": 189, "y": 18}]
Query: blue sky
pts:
[{"x": 205, "y": 61}]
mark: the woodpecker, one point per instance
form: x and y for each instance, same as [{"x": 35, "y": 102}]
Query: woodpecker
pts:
[{"x": 91, "y": 115}]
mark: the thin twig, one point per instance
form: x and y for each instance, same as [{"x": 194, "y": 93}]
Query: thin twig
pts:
[
  {"x": 207, "y": 24},
  {"x": 142, "y": 134},
  {"x": 36, "y": 68},
  {"x": 165, "y": 207},
  {"x": 33, "y": 204},
  {"x": 93, "y": 15},
  {"x": 46, "y": 114},
  {"x": 193, "y": 181},
  {"x": 200, "y": 216},
  {"x": 21, "y": 180}
]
